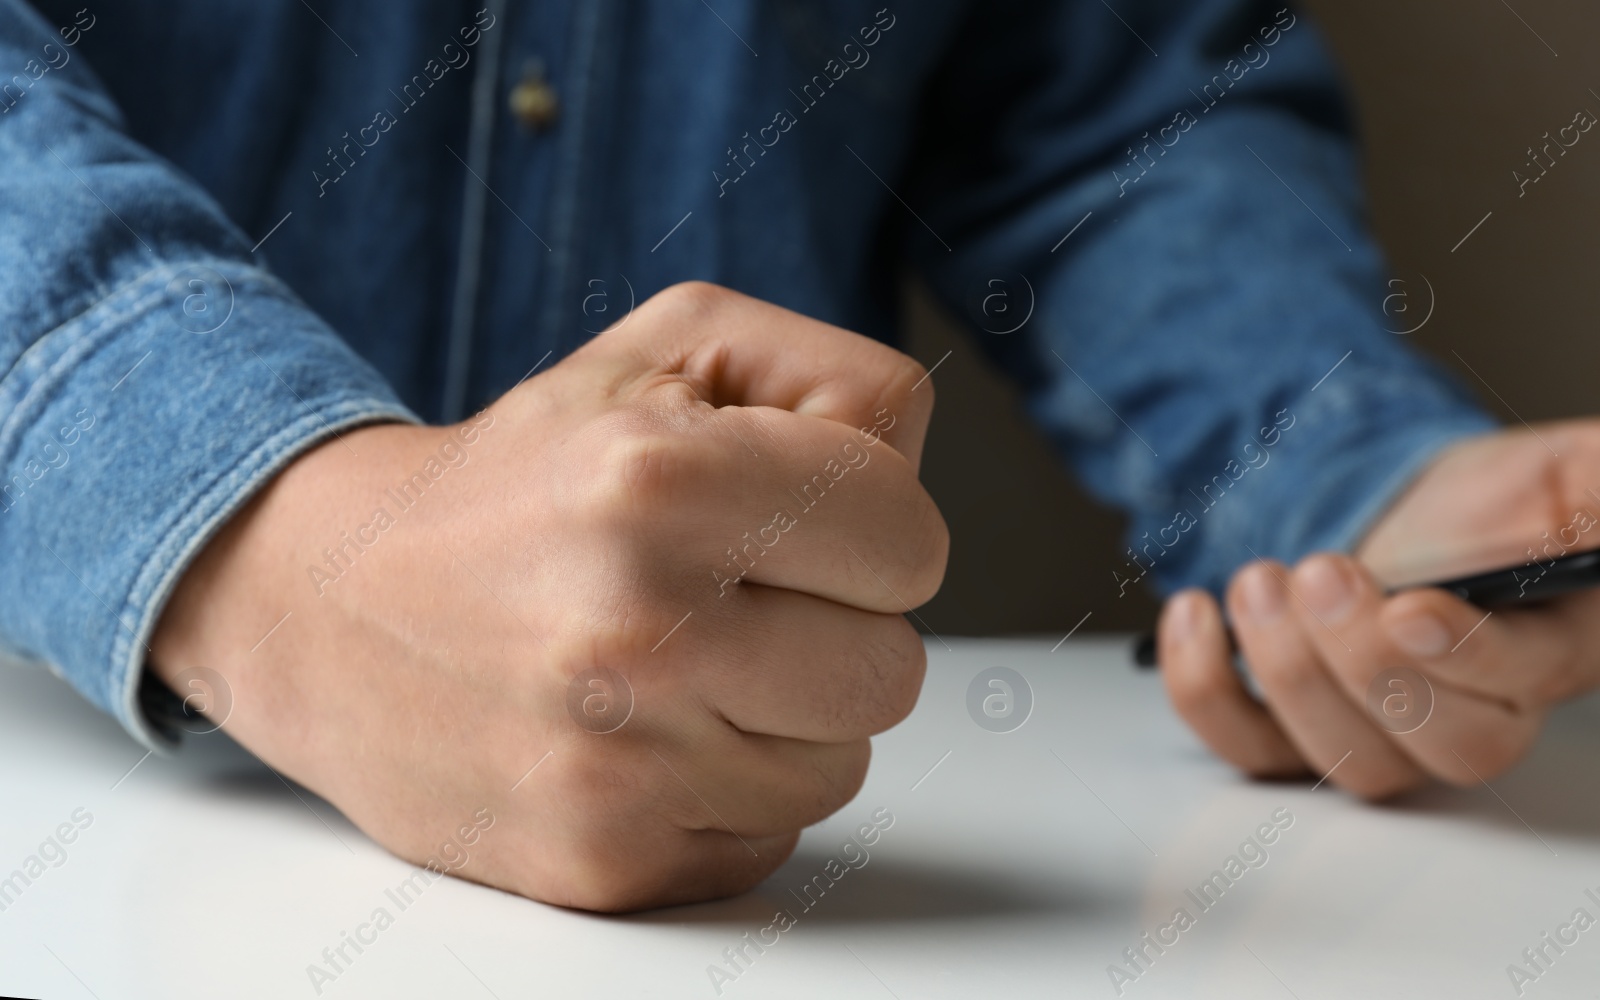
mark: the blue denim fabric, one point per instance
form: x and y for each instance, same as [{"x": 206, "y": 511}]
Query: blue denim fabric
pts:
[{"x": 421, "y": 249}]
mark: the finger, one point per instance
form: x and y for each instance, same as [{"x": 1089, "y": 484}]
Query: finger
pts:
[
  {"x": 669, "y": 867},
  {"x": 1466, "y": 737},
  {"x": 1528, "y": 657},
  {"x": 753, "y": 785},
  {"x": 862, "y": 528},
  {"x": 779, "y": 663},
  {"x": 1331, "y": 731},
  {"x": 812, "y": 506},
  {"x": 739, "y": 351},
  {"x": 1197, "y": 667}
]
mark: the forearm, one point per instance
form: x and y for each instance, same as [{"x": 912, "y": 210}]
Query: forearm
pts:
[{"x": 1205, "y": 347}]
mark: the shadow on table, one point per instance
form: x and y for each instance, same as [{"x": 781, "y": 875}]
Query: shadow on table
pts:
[
  {"x": 890, "y": 891},
  {"x": 1555, "y": 791}
]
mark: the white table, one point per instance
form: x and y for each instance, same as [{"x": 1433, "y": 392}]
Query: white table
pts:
[{"x": 1018, "y": 865}]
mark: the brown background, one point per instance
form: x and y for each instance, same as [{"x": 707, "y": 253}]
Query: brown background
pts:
[{"x": 1451, "y": 94}]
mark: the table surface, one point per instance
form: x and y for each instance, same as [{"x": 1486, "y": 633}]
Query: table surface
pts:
[{"x": 1018, "y": 864}]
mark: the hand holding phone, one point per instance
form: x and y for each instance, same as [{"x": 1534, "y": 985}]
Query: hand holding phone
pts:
[{"x": 1531, "y": 581}]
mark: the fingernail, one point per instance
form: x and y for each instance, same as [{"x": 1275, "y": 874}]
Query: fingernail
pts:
[
  {"x": 1182, "y": 619},
  {"x": 1420, "y": 634},
  {"x": 1261, "y": 594},
  {"x": 1326, "y": 589}
]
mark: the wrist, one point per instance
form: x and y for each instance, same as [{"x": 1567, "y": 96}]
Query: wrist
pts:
[{"x": 243, "y": 580}]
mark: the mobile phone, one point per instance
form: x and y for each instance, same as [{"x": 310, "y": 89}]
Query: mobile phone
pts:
[{"x": 1528, "y": 582}]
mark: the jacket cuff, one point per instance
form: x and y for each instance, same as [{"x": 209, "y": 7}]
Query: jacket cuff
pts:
[
  {"x": 1355, "y": 444},
  {"x": 136, "y": 430}
]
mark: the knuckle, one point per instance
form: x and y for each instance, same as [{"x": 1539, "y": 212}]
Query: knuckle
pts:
[
  {"x": 645, "y": 471},
  {"x": 689, "y": 300},
  {"x": 645, "y": 467}
]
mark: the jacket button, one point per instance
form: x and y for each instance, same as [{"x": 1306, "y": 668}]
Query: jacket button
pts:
[{"x": 533, "y": 100}]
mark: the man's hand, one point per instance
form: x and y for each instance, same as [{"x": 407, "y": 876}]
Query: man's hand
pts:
[
  {"x": 717, "y": 502},
  {"x": 1316, "y": 637}
]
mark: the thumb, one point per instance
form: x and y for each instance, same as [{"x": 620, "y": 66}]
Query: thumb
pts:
[{"x": 735, "y": 350}]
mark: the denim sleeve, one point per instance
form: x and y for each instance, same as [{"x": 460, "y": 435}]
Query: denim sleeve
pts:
[
  {"x": 1209, "y": 347},
  {"x": 152, "y": 374}
]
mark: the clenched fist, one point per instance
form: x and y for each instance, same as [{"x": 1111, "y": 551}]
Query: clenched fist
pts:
[{"x": 645, "y": 609}]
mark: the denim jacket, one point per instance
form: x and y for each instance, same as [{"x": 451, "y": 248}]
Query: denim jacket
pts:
[{"x": 232, "y": 228}]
